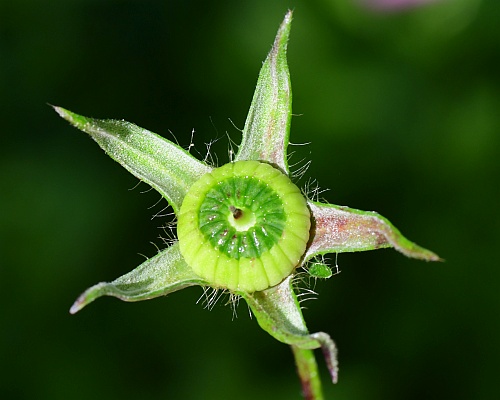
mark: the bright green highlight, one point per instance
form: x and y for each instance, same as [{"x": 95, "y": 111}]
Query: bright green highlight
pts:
[
  {"x": 242, "y": 217},
  {"x": 244, "y": 226}
]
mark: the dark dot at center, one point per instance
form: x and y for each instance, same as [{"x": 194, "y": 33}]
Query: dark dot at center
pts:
[{"x": 237, "y": 213}]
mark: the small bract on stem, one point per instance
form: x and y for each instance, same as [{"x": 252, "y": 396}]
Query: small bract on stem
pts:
[{"x": 243, "y": 227}]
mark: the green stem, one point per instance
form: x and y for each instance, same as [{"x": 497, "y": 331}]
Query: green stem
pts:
[{"x": 307, "y": 368}]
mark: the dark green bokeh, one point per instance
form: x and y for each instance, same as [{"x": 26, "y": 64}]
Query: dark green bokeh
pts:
[{"x": 402, "y": 112}]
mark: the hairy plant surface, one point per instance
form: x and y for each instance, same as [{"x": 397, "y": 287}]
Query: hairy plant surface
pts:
[{"x": 243, "y": 227}]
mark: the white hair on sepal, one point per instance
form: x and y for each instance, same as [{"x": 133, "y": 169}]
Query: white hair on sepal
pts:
[
  {"x": 312, "y": 191},
  {"x": 158, "y": 250},
  {"x": 337, "y": 269},
  {"x": 211, "y": 296},
  {"x": 306, "y": 295},
  {"x": 156, "y": 203},
  {"x": 167, "y": 227},
  {"x": 175, "y": 138},
  {"x": 191, "y": 142},
  {"x": 299, "y": 168},
  {"x": 139, "y": 181},
  {"x": 207, "y": 297},
  {"x": 300, "y": 172},
  {"x": 300, "y": 278},
  {"x": 302, "y": 288},
  {"x": 162, "y": 213},
  {"x": 234, "y": 302},
  {"x": 231, "y": 145},
  {"x": 169, "y": 230},
  {"x": 210, "y": 158},
  {"x": 149, "y": 189},
  {"x": 143, "y": 255}
]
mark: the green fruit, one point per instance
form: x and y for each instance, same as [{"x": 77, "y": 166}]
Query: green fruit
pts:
[{"x": 243, "y": 226}]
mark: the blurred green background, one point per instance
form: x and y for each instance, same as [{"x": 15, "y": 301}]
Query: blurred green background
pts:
[{"x": 402, "y": 112}]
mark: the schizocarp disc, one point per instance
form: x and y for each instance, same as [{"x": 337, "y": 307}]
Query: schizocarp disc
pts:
[{"x": 243, "y": 226}]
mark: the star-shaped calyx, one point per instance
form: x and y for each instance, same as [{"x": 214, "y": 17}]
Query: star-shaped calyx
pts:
[{"x": 243, "y": 227}]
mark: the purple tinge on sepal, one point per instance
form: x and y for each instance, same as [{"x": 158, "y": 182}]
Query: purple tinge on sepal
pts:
[
  {"x": 338, "y": 229},
  {"x": 329, "y": 352}
]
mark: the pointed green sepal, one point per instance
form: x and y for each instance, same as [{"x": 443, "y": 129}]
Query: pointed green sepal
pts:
[
  {"x": 267, "y": 128},
  {"x": 338, "y": 229},
  {"x": 278, "y": 312},
  {"x": 160, "y": 275},
  {"x": 165, "y": 166}
]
